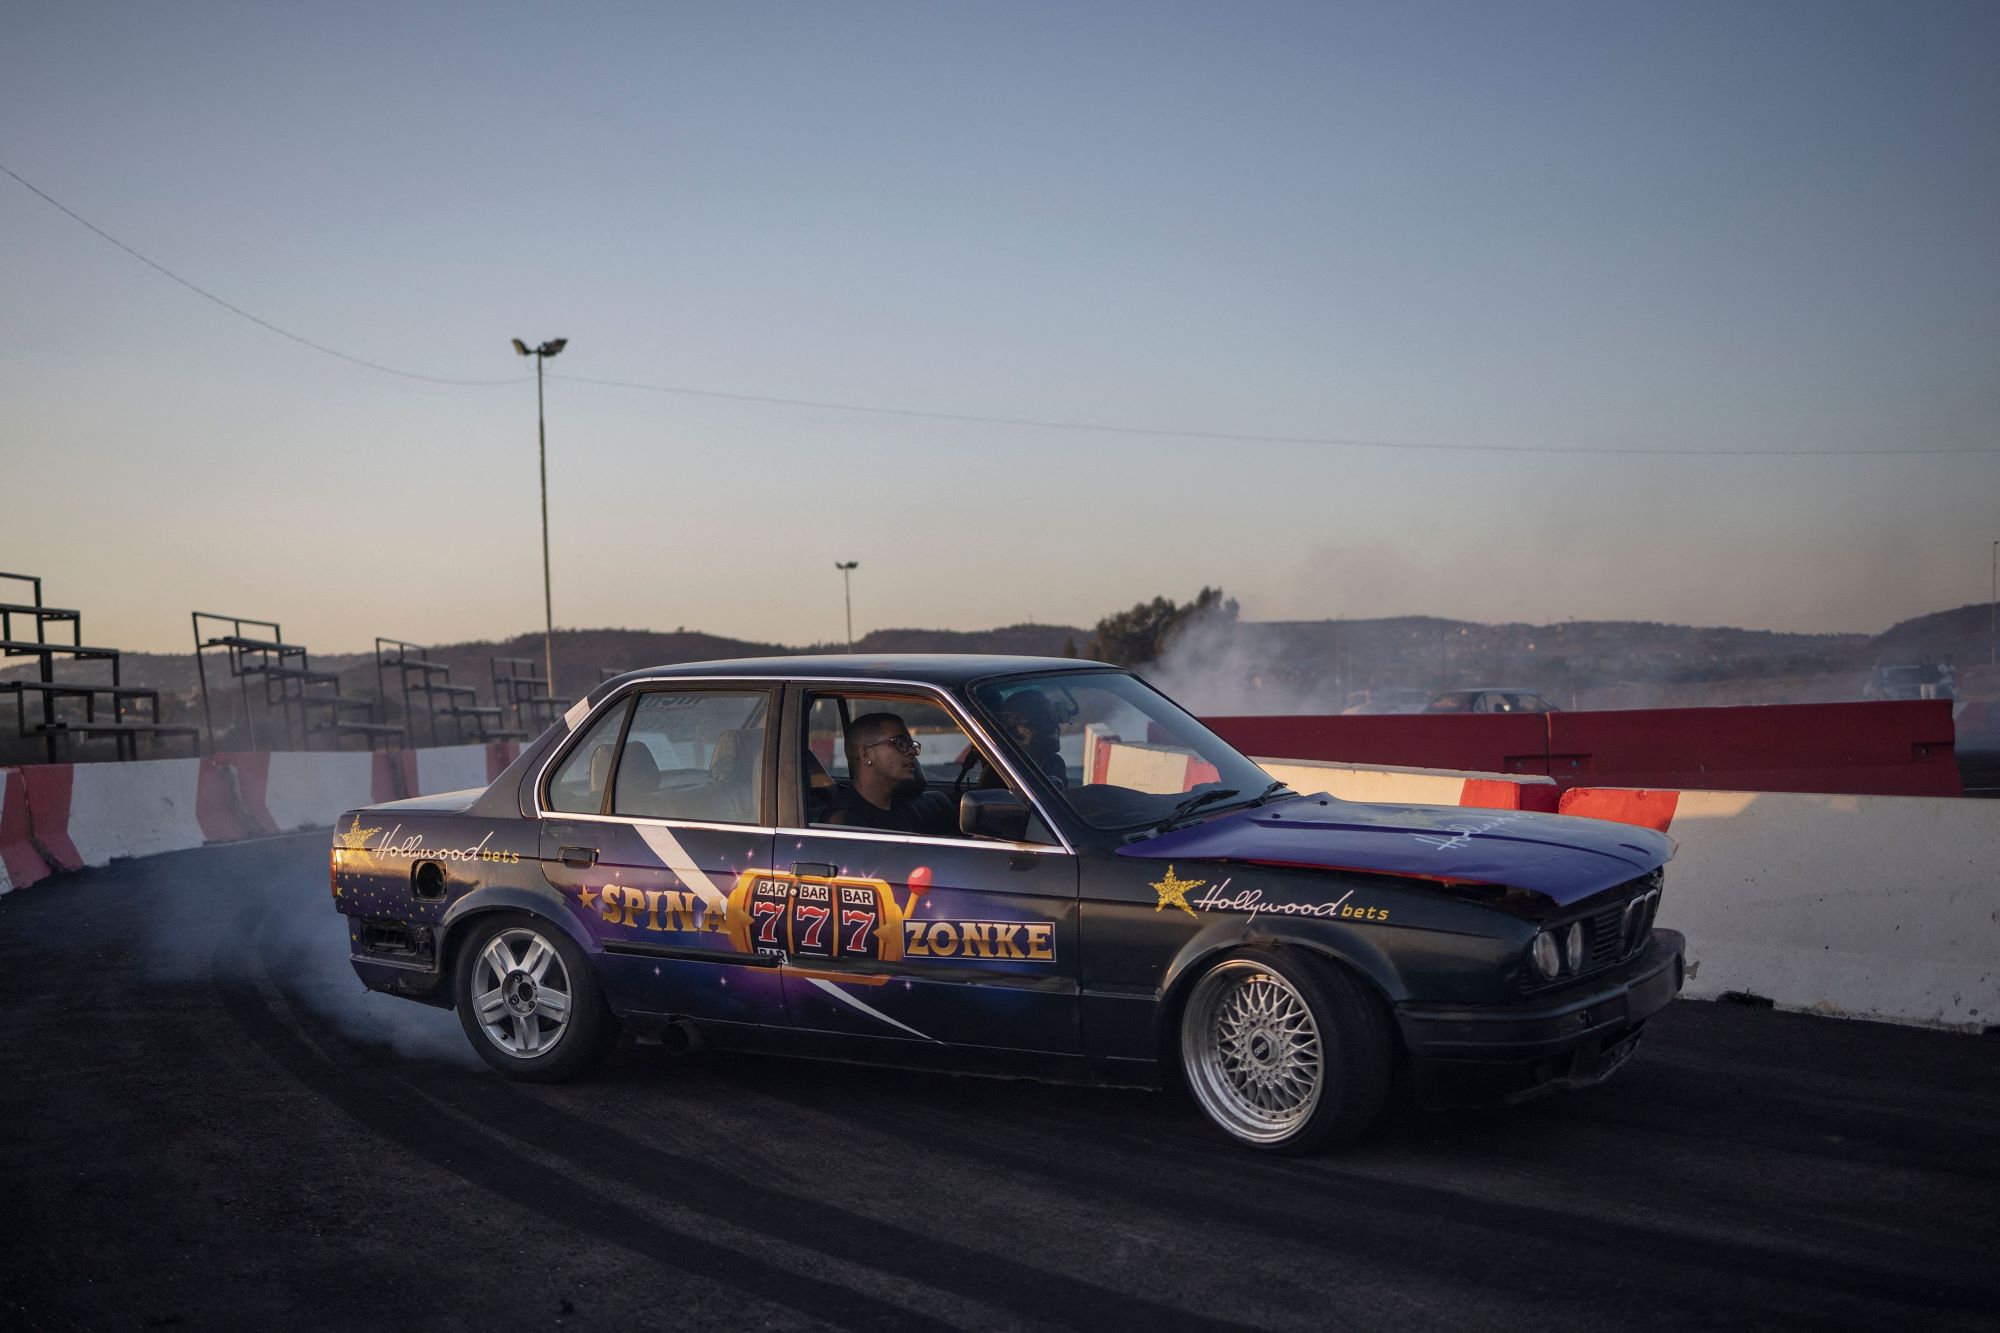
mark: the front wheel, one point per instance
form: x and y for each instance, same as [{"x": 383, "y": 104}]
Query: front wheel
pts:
[
  {"x": 1285, "y": 1051},
  {"x": 529, "y": 1002}
]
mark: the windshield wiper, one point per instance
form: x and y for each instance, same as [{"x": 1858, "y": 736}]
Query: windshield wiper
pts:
[
  {"x": 1271, "y": 791},
  {"x": 1194, "y": 803}
]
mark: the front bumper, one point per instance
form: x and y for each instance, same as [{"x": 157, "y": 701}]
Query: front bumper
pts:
[{"x": 1505, "y": 1053}]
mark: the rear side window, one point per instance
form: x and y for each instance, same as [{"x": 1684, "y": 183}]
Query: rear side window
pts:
[
  {"x": 579, "y": 785},
  {"x": 694, "y": 754}
]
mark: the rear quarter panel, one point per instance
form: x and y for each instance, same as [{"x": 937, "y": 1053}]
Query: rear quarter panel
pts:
[{"x": 488, "y": 865}]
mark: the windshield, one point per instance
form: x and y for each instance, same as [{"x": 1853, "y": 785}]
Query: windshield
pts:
[{"x": 1121, "y": 754}]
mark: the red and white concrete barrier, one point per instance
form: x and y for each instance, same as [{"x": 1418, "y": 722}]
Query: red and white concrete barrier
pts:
[
  {"x": 68, "y": 816},
  {"x": 88, "y": 814},
  {"x": 1415, "y": 786}
]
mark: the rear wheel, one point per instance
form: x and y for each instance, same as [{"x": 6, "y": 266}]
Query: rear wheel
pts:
[
  {"x": 529, "y": 1002},
  {"x": 1285, "y": 1051}
]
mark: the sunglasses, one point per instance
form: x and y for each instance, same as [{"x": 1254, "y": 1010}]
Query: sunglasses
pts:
[{"x": 903, "y": 744}]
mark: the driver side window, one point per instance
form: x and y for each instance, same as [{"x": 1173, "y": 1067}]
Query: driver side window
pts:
[{"x": 943, "y": 762}]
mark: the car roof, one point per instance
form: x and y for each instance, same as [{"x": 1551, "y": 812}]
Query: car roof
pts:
[{"x": 924, "y": 668}]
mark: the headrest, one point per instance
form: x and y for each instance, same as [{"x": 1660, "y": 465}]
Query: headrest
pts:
[
  {"x": 638, "y": 765},
  {"x": 600, "y": 767},
  {"x": 737, "y": 752},
  {"x": 817, "y": 777}
]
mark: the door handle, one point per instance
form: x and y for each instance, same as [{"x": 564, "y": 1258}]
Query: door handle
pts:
[
  {"x": 815, "y": 869},
  {"x": 579, "y": 858}
]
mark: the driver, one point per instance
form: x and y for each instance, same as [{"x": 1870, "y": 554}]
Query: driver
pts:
[
  {"x": 887, "y": 784},
  {"x": 1030, "y": 719}
]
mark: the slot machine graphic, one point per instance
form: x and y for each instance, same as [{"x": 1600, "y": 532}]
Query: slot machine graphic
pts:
[{"x": 808, "y": 918}]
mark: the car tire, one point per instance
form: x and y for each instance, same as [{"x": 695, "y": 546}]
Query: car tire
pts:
[
  {"x": 1285, "y": 1051},
  {"x": 529, "y": 1001}
]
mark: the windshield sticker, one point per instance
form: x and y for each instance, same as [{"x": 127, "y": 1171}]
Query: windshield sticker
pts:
[
  {"x": 1463, "y": 832},
  {"x": 1252, "y": 901},
  {"x": 1175, "y": 890}
]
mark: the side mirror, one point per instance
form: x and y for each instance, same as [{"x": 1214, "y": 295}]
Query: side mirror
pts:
[{"x": 994, "y": 813}]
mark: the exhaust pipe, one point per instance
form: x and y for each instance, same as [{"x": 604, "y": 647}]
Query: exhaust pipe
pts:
[{"x": 680, "y": 1038}]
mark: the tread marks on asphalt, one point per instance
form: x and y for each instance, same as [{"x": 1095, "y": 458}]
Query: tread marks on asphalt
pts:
[
  {"x": 400, "y": 1116},
  {"x": 1398, "y": 1223},
  {"x": 988, "y": 1278}
]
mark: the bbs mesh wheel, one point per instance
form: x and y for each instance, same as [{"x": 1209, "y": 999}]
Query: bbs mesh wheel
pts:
[{"x": 1285, "y": 1051}]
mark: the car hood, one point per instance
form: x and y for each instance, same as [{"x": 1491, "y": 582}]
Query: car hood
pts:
[{"x": 1567, "y": 859}]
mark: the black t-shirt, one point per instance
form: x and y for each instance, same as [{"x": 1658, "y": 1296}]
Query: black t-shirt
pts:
[{"x": 852, "y": 808}]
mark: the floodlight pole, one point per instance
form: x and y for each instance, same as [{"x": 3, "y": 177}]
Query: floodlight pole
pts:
[
  {"x": 847, "y": 568},
  {"x": 1993, "y": 612},
  {"x": 548, "y": 349}
]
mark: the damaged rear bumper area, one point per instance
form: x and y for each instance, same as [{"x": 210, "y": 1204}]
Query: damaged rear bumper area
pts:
[
  {"x": 1508, "y": 1053},
  {"x": 398, "y": 958}
]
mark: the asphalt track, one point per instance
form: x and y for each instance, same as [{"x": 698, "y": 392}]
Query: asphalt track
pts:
[{"x": 205, "y": 1123}]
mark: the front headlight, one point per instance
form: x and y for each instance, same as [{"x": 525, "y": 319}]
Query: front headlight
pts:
[
  {"x": 1547, "y": 955},
  {"x": 1573, "y": 947}
]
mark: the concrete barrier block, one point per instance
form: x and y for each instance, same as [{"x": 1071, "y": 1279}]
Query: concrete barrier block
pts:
[
  {"x": 21, "y": 864},
  {"x": 310, "y": 790},
  {"x": 230, "y": 804},
  {"x": 1864, "y": 906},
  {"x": 450, "y": 768},
  {"x": 134, "y": 809},
  {"x": 1415, "y": 786}
]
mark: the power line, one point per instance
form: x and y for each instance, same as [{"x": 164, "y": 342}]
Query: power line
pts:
[
  {"x": 1035, "y": 423},
  {"x": 1239, "y": 437},
  {"x": 236, "y": 309}
]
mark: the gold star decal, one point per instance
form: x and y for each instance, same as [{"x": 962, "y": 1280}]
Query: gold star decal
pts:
[
  {"x": 1175, "y": 890},
  {"x": 355, "y": 839},
  {"x": 589, "y": 897}
]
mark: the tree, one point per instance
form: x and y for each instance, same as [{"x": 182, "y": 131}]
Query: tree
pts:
[{"x": 1141, "y": 635}]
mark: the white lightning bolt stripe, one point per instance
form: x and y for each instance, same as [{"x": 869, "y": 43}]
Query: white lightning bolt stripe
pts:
[
  {"x": 674, "y": 856},
  {"x": 839, "y": 994},
  {"x": 576, "y": 713}
]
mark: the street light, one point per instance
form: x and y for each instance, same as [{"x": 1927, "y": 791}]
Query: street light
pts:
[
  {"x": 847, "y": 568},
  {"x": 541, "y": 354}
]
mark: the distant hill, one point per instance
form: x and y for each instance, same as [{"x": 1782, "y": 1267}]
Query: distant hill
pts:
[{"x": 1960, "y": 636}]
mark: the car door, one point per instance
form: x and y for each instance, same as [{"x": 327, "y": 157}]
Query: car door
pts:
[
  {"x": 655, "y": 824},
  {"x": 934, "y": 937}
]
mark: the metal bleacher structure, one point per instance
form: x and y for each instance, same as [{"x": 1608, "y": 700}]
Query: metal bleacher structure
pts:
[
  {"x": 429, "y": 692},
  {"x": 122, "y": 713},
  {"x": 520, "y": 687},
  {"x": 278, "y": 681}
]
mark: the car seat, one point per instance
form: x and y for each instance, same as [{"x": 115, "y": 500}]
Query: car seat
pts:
[
  {"x": 733, "y": 770},
  {"x": 639, "y": 784},
  {"x": 819, "y": 789}
]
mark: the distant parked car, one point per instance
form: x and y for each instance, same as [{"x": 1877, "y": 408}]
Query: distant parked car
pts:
[
  {"x": 1490, "y": 699},
  {"x": 1928, "y": 681},
  {"x": 1387, "y": 699}
]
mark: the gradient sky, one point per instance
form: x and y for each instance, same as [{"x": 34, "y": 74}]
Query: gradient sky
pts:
[{"x": 1669, "y": 226}]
